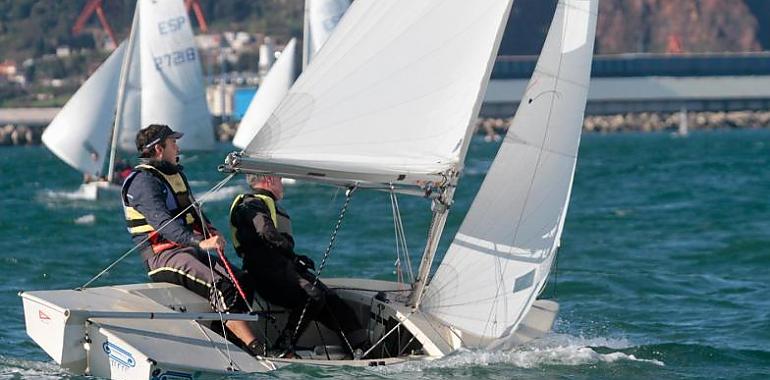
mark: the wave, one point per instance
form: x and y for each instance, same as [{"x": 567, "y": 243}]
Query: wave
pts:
[
  {"x": 554, "y": 350},
  {"x": 76, "y": 195},
  {"x": 14, "y": 368}
]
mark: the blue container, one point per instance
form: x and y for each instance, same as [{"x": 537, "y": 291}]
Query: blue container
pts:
[{"x": 241, "y": 101}]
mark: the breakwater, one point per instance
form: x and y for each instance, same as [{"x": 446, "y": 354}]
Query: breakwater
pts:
[
  {"x": 19, "y": 134},
  {"x": 650, "y": 122}
]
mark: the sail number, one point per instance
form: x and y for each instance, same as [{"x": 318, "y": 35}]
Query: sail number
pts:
[
  {"x": 175, "y": 58},
  {"x": 171, "y": 25}
]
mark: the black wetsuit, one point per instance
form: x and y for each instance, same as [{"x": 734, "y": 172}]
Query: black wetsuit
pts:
[{"x": 267, "y": 248}]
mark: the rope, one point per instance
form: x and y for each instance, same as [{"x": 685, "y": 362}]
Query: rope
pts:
[
  {"x": 348, "y": 195},
  {"x": 230, "y": 272},
  {"x": 195, "y": 203},
  {"x": 220, "y": 297}
]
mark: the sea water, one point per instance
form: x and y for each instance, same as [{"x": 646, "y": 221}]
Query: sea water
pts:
[{"x": 663, "y": 271}]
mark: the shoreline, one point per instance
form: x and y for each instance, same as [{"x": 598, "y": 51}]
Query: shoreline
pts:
[{"x": 21, "y": 135}]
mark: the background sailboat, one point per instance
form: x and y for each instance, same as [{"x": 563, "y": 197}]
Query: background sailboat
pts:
[
  {"x": 321, "y": 17},
  {"x": 164, "y": 84},
  {"x": 169, "y": 78}
]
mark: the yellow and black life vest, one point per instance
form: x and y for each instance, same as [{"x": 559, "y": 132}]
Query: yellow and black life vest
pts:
[
  {"x": 281, "y": 221},
  {"x": 178, "y": 199}
]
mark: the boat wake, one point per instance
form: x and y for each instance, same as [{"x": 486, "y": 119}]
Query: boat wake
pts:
[
  {"x": 77, "y": 195},
  {"x": 555, "y": 350}
]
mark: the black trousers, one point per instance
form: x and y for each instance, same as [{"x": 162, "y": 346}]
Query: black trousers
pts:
[
  {"x": 281, "y": 283},
  {"x": 189, "y": 267}
]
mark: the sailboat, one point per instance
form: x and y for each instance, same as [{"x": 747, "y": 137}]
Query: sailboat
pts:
[
  {"x": 158, "y": 81},
  {"x": 321, "y": 17},
  {"x": 400, "y": 125}
]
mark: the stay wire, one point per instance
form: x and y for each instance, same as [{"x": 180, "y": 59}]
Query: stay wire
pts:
[{"x": 343, "y": 210}]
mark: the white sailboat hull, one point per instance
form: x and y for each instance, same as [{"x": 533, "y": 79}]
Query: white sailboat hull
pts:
[
  {"x": 98, "y": 190},
  {"x": 93, "y": 331}
]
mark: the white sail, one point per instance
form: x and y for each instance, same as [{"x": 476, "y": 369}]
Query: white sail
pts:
[
  {"x": 393, "y": 93},
  {"x": 500, "y": 258},
  {"x": 80, "y": 132},
  {"x": 274, "y": 87},
  {"x": 132, "y": 109},
  {"x": 172, "y": 80},
  {"x": 321, "y": 16}
]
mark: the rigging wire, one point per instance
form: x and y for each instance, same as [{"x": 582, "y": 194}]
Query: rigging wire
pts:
[
  {"x": 402, "y": 249},
  {"x": 343, "y": 210}
]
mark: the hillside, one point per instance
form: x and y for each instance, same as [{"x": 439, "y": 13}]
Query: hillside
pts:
[{"x": 32, "y": 28}]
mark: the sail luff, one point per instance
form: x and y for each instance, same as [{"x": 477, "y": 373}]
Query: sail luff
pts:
[
  {"x": 121, "y": 96},
  {"x": 306, "y": 36}
]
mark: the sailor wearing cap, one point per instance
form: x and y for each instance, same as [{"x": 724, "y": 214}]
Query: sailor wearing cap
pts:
[{"x": 162, "y": 216}]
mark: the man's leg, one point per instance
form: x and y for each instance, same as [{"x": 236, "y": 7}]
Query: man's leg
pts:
[{"x": 189, "y": 268}]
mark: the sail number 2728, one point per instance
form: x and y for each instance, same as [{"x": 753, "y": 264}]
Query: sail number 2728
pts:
[{"x": 175, "y": 58}]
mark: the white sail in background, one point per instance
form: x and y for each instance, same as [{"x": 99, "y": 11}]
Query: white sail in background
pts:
[
  {"x": 321, "y": 17},
  {"x": 132, "y": 109},
  {"x": 173, "y": 91},
  {"x": 393, "y": 92},
  {"x": 79, "y": 134},
  {"x": 500, "y": 258},
  {"x": 273, "y": 89}
]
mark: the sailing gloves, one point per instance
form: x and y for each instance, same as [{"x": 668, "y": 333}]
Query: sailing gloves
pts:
[{"x": 304, "y": 262}]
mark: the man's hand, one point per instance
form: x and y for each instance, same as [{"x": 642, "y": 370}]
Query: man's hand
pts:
[
  {"x": 305, "y": 262},
  {"x": 214, "y": 242}
]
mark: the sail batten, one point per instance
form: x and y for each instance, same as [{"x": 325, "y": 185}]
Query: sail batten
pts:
[
  {"x": 500, "y": 258},
  {"x": 395, "y": 82}
]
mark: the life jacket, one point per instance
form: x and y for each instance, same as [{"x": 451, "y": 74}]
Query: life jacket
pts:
[
  {"x": 281, "y": 221},
  {"x": 178, "y": 199}
]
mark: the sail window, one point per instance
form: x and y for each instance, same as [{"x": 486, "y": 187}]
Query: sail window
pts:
[{"x": 524, "y": 281}]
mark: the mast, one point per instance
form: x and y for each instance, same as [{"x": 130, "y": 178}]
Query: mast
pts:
[
  {"x": 122, "y": 92},
  {"x": 440, "y": 207}
]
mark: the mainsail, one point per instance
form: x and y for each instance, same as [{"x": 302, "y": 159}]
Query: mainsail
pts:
[
  {"x": 172, "y": 81},
  {"x": 391, "y": 98},
  {"x": 500, "y": 259},
  {"x": 80, "y": 132},
  {"x": 275, "y": 86}
]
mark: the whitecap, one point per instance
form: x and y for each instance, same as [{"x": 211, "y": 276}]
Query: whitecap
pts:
[{"x": 86, "y": 219}]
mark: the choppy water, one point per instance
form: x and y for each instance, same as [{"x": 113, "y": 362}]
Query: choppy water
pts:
[{"x": 663, "y": 272}]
